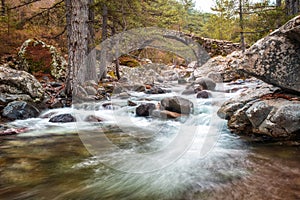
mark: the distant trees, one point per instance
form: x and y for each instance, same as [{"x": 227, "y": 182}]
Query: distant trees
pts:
[
  {"x": 223, "y": 23},
  {"x": 15, "y": 14},
  {"x": 231, "y": 20},
  {"x": 239, "y": 20}
]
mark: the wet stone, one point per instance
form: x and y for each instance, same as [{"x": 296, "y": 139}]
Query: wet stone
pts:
[
  {"x": 145, "y": 110},
  {"x": 203, "y": 95},
  {"x": 20, "y": 110},
  {"x": 63, "y": 118},
  {"x": 177, "y": 104}
]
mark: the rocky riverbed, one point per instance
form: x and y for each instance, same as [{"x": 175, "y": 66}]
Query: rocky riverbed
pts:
[
  {"x": 52, "y": 149},
  {"x": 270, "y": 109}
]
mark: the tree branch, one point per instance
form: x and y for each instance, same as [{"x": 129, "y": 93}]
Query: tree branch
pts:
[
  {"x": 260, "y": 11},
  {"x": 24, "y": 4},
  {"x": 44, "y": 11},
  {"x": 58, "y": 35}
]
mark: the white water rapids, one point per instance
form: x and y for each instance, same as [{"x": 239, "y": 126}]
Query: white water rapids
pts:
[{"x": 149, "y": 158}]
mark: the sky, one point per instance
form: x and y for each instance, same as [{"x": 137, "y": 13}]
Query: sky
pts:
[{"x": 205, "y": 5}]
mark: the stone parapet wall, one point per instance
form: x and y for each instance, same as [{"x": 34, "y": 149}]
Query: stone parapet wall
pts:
[{"x": 217, "y": 47}]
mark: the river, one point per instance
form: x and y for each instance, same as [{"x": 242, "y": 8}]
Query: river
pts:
[{"x": 62, "y": 161}]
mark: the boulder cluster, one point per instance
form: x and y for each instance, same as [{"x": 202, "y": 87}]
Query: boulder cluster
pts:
[{"x": 271, "y": 109}]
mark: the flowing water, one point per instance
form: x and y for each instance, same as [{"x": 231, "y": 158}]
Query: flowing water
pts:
[{"x": 61, "y": 161}]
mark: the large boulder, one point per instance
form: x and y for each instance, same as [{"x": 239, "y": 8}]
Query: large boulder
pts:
[
  {"x": 222, "y": 69},
  {"x": 19, "y": 85},
  {"x": 177, "y": 104},
  {"x": 145, "y": 110},
  {"x": 20, "y": 110},
  {"x": 275, "y": 59},
  {"x": 263, "y": 111},
  {"x": 35, "y": 56}
]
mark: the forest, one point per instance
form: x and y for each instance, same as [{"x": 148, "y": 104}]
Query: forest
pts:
[
  {"x": 149, "y": 99},
  {"x": 237, "y": 21},
  {"x": 47, "y": 19}
]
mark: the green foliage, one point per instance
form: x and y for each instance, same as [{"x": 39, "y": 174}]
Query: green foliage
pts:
[
  {"x": 222, "y": 28},
  {"x": 259, "y": 19},
  {"x": 128, "y": 14}
]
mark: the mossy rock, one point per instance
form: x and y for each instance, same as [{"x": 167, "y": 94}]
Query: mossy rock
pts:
[
  {"x": 129, "y": 61},
  {"x": 36, "y": 57}
]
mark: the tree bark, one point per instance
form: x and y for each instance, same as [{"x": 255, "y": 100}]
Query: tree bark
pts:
[
  {"x": 104, "y": 22},
  {"x": 242, "y": 25},
  {"x": 103, "y": 70},
  {"x": 292, "y": 7},
  {"x": 91, "y": 52},
  {"x": 113, "y": 31},
  {"x": 78, "y": 33},
  {"x": 278, "y": 3},
  {"x": 3, "y": 7}
]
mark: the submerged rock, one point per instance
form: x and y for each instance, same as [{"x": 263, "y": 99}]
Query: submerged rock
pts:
[
  {"x": 177, "y": 104},
  {"x": 156, "y": 90},
  {"x": 275, "y": 59},
  {"x": 145, "y": 110},
  {"x": 63, "y": 118},
  {"x": 20, "y": 110},
  {"x": 165, "y": 114},
  {"x": 188, "y": 91},
  {"x": 93, "y": 118}
]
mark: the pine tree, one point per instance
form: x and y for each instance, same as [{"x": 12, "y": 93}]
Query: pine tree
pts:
[{"x": 79, "y": 38}]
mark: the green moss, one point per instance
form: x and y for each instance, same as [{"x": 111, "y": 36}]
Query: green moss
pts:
[
  {"x": 214, "y": 46},
  {"x": 35, "y": 66}
]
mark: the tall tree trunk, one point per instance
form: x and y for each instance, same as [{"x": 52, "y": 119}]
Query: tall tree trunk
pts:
[
  {"x": 104, "y": 22},
  {"x": 292, "y": 7},
  {"x": 296, "y": 6},
  {"x": 77, "y": 27},
  {"x": 3, "y": 7},
  {"x": 113, "y": 31},
  {"x": 103, "y": 69},
  {"x": 278, "y": 3},
  {"x": 91, "y": 52},
  {"x": 242, "y": 25},
  {"x": 69, "y": 28}
]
